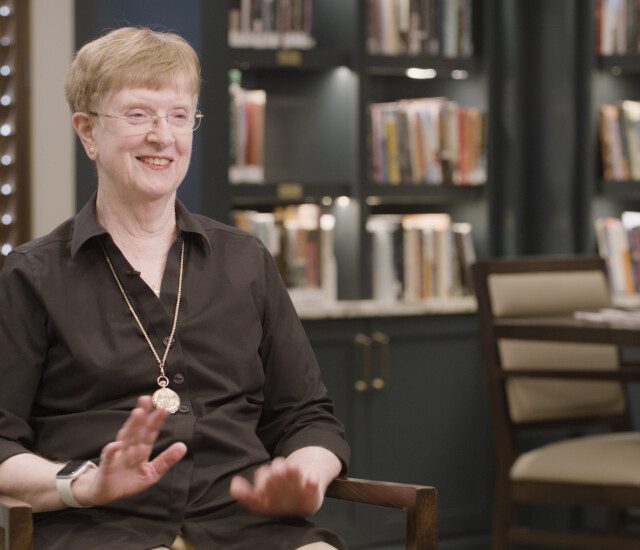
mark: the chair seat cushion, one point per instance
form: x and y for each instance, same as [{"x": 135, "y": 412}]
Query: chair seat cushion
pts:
[{"x": 612, "y": 458}]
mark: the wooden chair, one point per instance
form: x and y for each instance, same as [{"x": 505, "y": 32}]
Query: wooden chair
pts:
[
  {"x": 565, "y": 388},
  {"x": 419, "y": 503}
]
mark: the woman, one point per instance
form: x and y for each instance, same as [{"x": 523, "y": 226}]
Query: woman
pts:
[{"x": 156, "y": 344}]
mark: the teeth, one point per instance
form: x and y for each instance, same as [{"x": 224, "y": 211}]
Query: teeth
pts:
[{"x": 155, "y": 160}]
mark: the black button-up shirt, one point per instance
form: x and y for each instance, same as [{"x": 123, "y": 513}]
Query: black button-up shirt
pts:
[{"x": 73, "y": 362}]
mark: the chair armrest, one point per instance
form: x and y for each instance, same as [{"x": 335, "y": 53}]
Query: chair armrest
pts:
[
  {"x": 16, "y": 523},
  {"x": 626, "y": 373},
  {"x": 418, "y": 501}
]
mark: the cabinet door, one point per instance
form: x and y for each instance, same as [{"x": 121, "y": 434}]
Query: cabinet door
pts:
[
  {"x": 427, "y": 424},
  {"x": 430, "y": 422},
  {"x": 340, "y": 359}
]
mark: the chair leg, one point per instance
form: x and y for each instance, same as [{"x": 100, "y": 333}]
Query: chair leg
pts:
[{"x": 501, "y": 520}]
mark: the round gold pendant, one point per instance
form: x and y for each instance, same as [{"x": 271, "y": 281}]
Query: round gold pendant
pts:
[{"x": 166, "y": 399}]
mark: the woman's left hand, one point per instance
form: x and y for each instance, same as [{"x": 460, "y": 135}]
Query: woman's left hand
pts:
[{"x": 288, "y": 487}]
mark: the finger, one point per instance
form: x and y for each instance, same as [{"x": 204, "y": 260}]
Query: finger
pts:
[
  {"x": 109, "y": 451},
  {"x": 153, "y": 424},
  {"x": 312, "y": 481},
  {"x": 240, "y": 489},
  {"x": 131, "y": 425},
  {"x": 136, "y": 454},
  {"x": 169, "y": 458},
  {"x": 110, "y": 457},
  {"x": 260, "y": 478},
  {"x": 143, "y": 425},
  {"x": 145, "y": 402},
  {"x": 279, "y": 479}
]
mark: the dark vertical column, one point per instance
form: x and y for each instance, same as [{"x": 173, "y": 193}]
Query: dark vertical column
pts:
[
  {"x": 549, "y": 99},
  {"x": 506, "y": 127},
  {"x": 536, "y": 200},
  {"x": 214, "y": 197},
  {"x": 586, "y": 143}
]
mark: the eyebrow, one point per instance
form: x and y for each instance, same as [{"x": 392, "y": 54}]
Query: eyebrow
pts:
[{"x": 142, "y": 104}]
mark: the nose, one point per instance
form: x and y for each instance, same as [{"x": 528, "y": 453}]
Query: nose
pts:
[{"x": 161, "y": 131}]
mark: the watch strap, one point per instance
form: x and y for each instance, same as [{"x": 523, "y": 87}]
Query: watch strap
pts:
[{"x": 63, "y": 485}]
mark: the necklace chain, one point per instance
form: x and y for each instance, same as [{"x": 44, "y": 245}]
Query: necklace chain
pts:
[{"x": 163, "y": 381}]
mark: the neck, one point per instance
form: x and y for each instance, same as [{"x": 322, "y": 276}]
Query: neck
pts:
[{"x": 137, "y": 226}]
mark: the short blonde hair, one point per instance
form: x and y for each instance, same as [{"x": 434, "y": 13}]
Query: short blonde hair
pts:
[{"x": 130, "y": 57}]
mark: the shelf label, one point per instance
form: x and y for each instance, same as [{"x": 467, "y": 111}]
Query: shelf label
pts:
[
  {"x": 289, "y": 57},
  {"x": 289, "y": 191}
]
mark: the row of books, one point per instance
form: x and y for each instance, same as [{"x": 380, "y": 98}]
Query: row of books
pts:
[
  {"x": 617, "y": 27},
  {"x": 420, "y": 256},
  {"x": 618, "y": 242},
  {"x": 428, "y": 141},
  {"x": 301, "y": 240},
  {"x": 420, "y": 27},
  {"x": 246, "y": 127},
  {"x": 271, "y": 24},
  {"x": 619, "y": 129}
]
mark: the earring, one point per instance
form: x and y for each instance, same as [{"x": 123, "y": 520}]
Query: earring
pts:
[{"x": 92, "y": 151}]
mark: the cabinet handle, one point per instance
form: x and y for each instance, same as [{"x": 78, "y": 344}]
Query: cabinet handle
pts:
[
  {"x": 364, "y": 342},
  {"x": 382, "y": 341}
]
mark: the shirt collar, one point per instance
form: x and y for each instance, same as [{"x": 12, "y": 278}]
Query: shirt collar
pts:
[{"x": 86, "y": 226}]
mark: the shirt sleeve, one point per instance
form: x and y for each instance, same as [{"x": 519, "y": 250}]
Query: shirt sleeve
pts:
[
  {"x": 297, "y": 411},
  {"x": 23, "y": 341}
]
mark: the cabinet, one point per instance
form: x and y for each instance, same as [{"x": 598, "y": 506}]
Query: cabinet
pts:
[
  {"x": 432, "y": 411},
  {"x": 14, "y": 126}
]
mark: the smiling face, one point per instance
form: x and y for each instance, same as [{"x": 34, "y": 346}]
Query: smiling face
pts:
[{"x": 142, "y": 163}]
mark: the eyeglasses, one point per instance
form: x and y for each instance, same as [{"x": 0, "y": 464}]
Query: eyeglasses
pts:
[{"x": 142, "y": 121}]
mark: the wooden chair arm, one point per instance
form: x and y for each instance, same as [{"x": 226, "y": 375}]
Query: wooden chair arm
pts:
[
  {"x": 626, "y": 373},
  {"x": 16, "y": 523},
  {"x": 418, "y": 501}
]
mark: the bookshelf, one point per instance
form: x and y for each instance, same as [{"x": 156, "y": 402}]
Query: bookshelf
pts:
[
  {"x": 14, "y": 126},
  {"x": 317, "y": 130},
  {"x": 605, "y": 79}
]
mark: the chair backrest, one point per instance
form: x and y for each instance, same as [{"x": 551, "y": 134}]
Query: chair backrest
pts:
[{"x": 544, "y": 286}]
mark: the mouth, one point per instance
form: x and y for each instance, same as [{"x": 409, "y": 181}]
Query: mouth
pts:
[{"x": 155, "y": 161}]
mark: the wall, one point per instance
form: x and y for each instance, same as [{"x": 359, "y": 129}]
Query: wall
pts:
[{"x": 52, "y": 138}]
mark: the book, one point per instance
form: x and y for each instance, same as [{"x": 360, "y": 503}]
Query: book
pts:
[
  {"x": 271, "y": 24},
  {"x": 613, "y": 246},
  {"x": 247, "y": 130},
  {"x": 301, "y": 240},
  {"x": 466, "y": 253},
  {"x": 420, "y": 27},
  {"x": 427, "y": 141},
  {"x": 387, "y": 283},
  {"x": 630, "y": 136},
  {"x": 614, "y": 162}
]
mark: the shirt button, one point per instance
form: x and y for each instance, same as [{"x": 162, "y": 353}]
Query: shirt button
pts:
[
  {"x": 168, "y": 342},
  {"x": 184, "y": 409},
  {"x": 178, "y": 378}
]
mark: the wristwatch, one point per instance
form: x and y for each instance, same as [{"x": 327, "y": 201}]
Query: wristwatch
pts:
[{"x": 65, "y": 477}]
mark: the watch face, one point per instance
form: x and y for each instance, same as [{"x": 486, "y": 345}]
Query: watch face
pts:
[{"x": 72, "y": 468}]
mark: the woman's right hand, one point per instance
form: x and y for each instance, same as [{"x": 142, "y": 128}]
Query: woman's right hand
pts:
[{"x": 125, "y": 469}]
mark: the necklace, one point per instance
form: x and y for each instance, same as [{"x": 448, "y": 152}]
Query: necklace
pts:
[{"x": 164, "y": 397}]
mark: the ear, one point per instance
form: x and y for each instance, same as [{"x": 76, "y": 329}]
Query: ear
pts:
[{"x": 83, "y": 125}]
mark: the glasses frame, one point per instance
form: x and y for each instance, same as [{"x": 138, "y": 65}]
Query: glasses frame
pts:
[{"x": 197, "y": 121}]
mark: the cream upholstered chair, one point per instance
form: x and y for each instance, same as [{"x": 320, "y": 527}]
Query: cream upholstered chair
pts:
[
  {"x": 601, "y": 467},
  {"x": 419, "y": 503}
]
